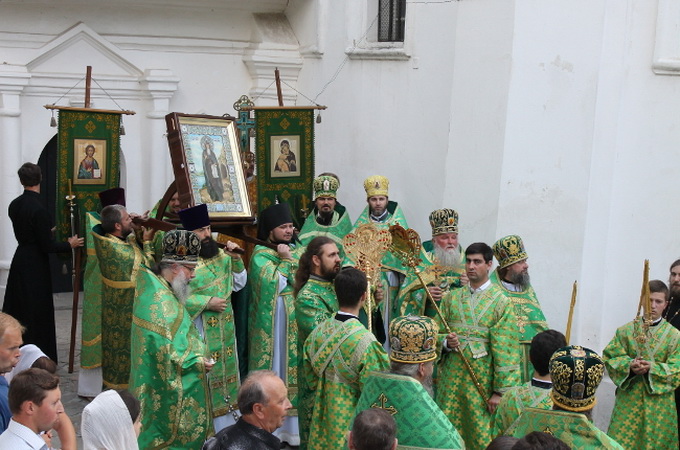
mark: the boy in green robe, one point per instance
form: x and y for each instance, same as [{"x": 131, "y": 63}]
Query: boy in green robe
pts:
[
  {"x": 576, "y": 373},
  {"x": 643, "y": 360},
  {"x": 338, "y": 356}
]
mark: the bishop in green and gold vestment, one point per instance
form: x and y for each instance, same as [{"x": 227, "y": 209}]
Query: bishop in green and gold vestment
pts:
[
  {"x": 512, "y": 277},
  {"x": 217, "y": 275},
  {"x": 328, "y": 217},
  {"x": 421, "y": 424},
  {"x": 644, "y": 413},
  {"x": 169, "y": 361},
  {"x": 484, "y": 322},
  {"x": 272, "y": 337},
  {"x": 120, "y": 259}
]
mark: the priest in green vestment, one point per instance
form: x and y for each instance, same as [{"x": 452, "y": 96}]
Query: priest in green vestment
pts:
[
  {"x": 169, "y": 359},
  {"x": 315, "y": 301},
  {"x": 338, "y": 356},
  {"x": 535, "y": 393},
  {"x": 219, "y": 272},
  {"x": 512, "y": 277},
  {"x": 576, "y": 372},
  {"x": 406, "y": 390},
  {"x": 383, "y": 213},
  {"x": 442, "y": 267},
  {"x": 120, "y": 258},
  {"x": 328, "y": 217},
  {"x": 272, "y": 328},
  {"x": 484, "y": 328},
  {"x": 643, "y": 360}
]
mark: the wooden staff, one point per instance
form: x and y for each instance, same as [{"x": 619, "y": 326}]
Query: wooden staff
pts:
[
  {"x": 574, "y": 290},
  {"x": 406, "y": 246}
]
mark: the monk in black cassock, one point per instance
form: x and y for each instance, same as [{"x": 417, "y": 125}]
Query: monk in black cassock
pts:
[{"x": 28, "y": 297}]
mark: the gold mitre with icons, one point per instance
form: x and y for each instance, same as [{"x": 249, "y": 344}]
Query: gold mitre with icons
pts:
[
  {"x": 326, "y": 186},
  {"x": 443, "y": 221},
  {"x": 181, "y": 246},
  {"x": 376, "y": 185},
  {"x": 509, "y": 250},
  {"x": 413, "y": 339},
  {"x": 576, "y": 373}
]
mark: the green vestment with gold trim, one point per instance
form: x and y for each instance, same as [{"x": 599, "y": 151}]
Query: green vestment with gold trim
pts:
[
  {"x": 530, "y": 320},
  {"x": 315, "y": 303},
  {"x": 486, "y": 326},
  {"x": 340, "y": 225},
  {"x": 420, "y": 422},
  {"x": 644, "y": 413},
  {"x": 338, "y": 356},
  {"x": 390, "y": 262},
  {"x": 168, "y": 370},
  {"x": 516, "y": 400},
  {"x": 412, "y": 296},
  {"x": 573, "y": 429},
  {"x": 119, "y": 263},
  {"x": 214, "y": 278},
  {"x": 272, "y": 278},
  {"x": 91, "y": 325}
]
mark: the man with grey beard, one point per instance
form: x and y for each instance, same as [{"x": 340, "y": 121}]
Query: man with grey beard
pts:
[
  {"x": 406, "y": 391},
  {"x": 169, "y": 363},
  {"x": 441, "y": 268},
  {"x": 512, "y": 277}
]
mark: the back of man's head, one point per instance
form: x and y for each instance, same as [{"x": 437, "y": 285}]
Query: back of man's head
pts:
[
  {"x": 543, "y": 345},
  {"x": 350, "y": 286},
  {"x": 537, "y": 440},
  {"x": 110, "y": 216},
  {"x": 373, "y": 429},
  {"x": 480, "y": 248},
  {"x": 31, "y": 385},
  {"x": 252, "y": 391},
  {"x": 29, "y": 174}
]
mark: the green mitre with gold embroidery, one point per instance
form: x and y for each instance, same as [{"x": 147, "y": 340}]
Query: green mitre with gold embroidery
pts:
[
  {"x": 576, "y": 372},
  {"x": 509, "y": 250},
  {"x": 420, "y": 422},
  {"x": 326, "y": 186},
  {"x": 413, "y": 339}
]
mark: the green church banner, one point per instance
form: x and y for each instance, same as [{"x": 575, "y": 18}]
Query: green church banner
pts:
[
  {"x": 88, "y": 162},
  {"x": 284, "y": 141}
]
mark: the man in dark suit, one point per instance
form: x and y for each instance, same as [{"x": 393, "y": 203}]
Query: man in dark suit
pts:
[{"x": 28, "y": 297}]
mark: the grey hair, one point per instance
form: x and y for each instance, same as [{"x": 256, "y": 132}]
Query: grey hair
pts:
[
  {"x": 110, "y": 216},
  {"x": 251, "y": 391},
  {"x": 407, "y": 369}
]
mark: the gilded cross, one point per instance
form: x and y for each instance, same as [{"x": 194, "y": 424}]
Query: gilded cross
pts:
[
  {"x": 213, "y": 321},
  {"x": 383, "y": 405}
]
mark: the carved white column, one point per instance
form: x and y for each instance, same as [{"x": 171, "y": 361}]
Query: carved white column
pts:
[{"x": 13, "y": 79}]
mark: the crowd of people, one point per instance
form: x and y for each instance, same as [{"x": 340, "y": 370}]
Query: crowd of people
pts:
[{"x": 325, "y": 352}]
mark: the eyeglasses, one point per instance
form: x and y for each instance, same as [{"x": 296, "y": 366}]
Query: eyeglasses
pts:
[{"x": 189, "y": 268}]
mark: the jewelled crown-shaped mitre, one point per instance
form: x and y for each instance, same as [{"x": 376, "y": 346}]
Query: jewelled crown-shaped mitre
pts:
[
  {"x": 413, "y": 339},
  {"x": 509, "y": 250},
  {"x": 181, "y": 246},
  {"x": 376, "y": 185},
  {"x": 326, "y": 186},
  {"x": 576, "y": 373},
  {"x": 443, "y": 221}
]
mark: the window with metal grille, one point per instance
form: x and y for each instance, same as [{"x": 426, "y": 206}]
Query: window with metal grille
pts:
[{"x": 391, "y": 20}]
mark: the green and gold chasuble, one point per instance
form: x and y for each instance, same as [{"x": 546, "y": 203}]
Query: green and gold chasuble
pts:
[
  {"x": 266, "y": 270},
  {"x": 413, "y": 298},
  {"x": 644, "y": 413},
  {"x": 315, "y": 303},
  {"x": 420, "y": 422},
  {"x": 91, "y": 329},
  {"x": 390, "y": 262},
  {"x": 486, "y": 326},
  {"x": 338, "y": 356},
  {"x": 214, "y": 278},
  {"x": 340, "y": 225},
  {"x": 530, "y": 320},
  {"x": 573, "y": 429},
  {"x": 516, "y": 400},
  {"x": 119, "y": 263},
  {"x": 168, "y": 371}
]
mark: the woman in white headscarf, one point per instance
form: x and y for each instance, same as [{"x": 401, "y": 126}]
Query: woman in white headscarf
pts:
[
  {"x": 29, "y": 355},
  {"x": 111, "y": 422}
]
